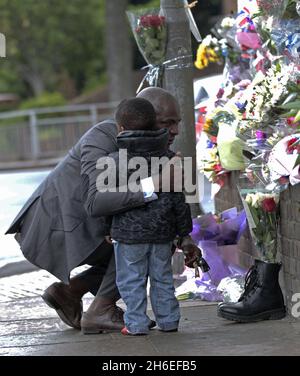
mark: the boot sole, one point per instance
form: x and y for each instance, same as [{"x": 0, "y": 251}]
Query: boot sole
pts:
[
  {"x": 275, "y": 314},
  {"x": 52, "y": 303},
  {"x": 91, "y": 331},
  {"x": 100, "y": 331}
]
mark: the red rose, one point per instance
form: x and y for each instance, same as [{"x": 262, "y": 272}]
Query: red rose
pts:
[
  {"x": 217, "y": 168},
  {"x": 152, "y": 20},
  {"x": 155, "y": 21},
  {"x": 269, "y": 205},
  {"x": 145, "y": 21},
  {"x": 290, "y": 145}
]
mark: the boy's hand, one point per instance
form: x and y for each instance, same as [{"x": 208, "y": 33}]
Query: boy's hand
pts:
[
  {"x": 108, "y": 239},
  {"x": 192, "y": 254}
]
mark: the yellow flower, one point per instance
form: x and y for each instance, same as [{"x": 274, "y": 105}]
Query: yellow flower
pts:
[
  {"x": 212, "y": 56},
  {"x": 202, "y": 60},
  {"x": 207, "y": 125}
]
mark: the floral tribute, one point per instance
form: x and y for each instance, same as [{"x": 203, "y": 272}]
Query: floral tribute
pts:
[
  {"x": 150, "y": 32},
  {"x": 258, "y": 130}
]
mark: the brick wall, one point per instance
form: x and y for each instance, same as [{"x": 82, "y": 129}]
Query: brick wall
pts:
[
  {"x": 290, "y": 241},
  {"x": 289, "y": 247}
]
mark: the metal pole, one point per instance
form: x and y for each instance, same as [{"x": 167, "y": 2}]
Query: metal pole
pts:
[
  {"x": 179, "y": 81},
  {"x": 34, "y": 137},
  {"x": 94, "y": 115}
]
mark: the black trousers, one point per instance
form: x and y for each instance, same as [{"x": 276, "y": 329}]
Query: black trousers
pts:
[{"x": 101, "y": 277}]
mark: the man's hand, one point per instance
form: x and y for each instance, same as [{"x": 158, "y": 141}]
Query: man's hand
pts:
[{"x": 192, "y": 254}]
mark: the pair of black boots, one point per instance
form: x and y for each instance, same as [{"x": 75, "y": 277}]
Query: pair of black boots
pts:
[{"x": 262, "y": 298}]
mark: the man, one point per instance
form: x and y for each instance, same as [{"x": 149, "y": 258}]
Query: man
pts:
[{"x": 62, "y": 225}]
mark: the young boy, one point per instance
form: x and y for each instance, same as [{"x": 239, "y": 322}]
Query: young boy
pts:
[{"x": 143, "y": 237}]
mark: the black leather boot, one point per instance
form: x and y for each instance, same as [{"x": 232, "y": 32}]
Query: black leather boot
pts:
[{"x": 262, "y": 298}]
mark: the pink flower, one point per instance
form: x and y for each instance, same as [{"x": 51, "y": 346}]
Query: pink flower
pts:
[
  {"x": 269, "y": 205},
  {"x": 152, "y": 20},
  {"x": 248, "y": 40},
  {"x": 283, "y": 180},
  {"x": 220, "y": 93},
  {"x": 217, "y": 168},
  {"x": 290, "y": 120}
]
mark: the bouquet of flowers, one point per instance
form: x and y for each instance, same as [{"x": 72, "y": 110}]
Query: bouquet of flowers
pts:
[
  {"x": 213, "y": 233},
  {"x": 262, "y": 210},
  {"x": 219, "y": 46},
  {"x": 284, "y": 161},
  {"x": 277, "y": 8},
  {"x": 224, "y": 229},
  {"x": 150, "y": 32},
  {"x": 210, "y": 165}
]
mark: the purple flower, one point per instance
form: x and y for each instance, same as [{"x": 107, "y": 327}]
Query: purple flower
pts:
[
  {"x": 260, "y": 135},
  {"x": 209, "y": 144},
  {"x": 241, "y": 106}
]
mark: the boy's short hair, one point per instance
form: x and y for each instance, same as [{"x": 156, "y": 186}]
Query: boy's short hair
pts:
[{"x": 136, "y": 114}]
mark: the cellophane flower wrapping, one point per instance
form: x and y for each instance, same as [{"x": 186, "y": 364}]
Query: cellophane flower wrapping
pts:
[
  {"x": 284, "y": 161},
  {"x": 285, "y": 34},
  {"x": 211, "y": 233},
  {"x": 262, "y": 210},
  {"x": 150, "y": 32},
  {"x": 224, "y": 229},
  {"x": 230, "y": 148},
  {"x": 274, "y": 8}
]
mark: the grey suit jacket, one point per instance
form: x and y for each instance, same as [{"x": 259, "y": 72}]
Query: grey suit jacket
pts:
[{"x": 63, "y": 221}]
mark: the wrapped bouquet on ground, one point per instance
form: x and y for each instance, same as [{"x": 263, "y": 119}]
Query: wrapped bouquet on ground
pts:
[{"x": 213, "y": 233}]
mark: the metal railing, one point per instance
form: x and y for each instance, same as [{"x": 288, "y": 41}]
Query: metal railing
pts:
[{"x": 48, "y": 132}]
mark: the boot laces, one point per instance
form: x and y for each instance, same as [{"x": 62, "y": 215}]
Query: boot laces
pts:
[{"x": 251, "y": 282}]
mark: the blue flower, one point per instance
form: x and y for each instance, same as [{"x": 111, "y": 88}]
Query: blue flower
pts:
[{"x": 209, "y": 144}]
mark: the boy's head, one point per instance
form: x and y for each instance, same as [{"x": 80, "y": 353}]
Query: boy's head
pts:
[{"x": 135, "y": 114}]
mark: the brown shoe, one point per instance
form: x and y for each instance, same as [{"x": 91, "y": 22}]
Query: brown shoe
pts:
[
  {"x": 67, "y": 305},
  {"x": 110, "y": 319}
]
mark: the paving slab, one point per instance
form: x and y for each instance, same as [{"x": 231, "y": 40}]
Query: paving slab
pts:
[{"x": 28, "y": 327}]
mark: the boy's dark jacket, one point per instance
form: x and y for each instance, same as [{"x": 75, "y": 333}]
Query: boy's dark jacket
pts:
[{"x": 160, "y": 220}]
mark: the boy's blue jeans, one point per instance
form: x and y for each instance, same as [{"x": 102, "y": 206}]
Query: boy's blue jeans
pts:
[{"x": 134, "y": 264}]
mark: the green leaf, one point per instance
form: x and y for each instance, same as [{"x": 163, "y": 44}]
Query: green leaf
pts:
[
  {"x": 288, "y": 114},
  {"x": 297, "y": 117},
  {"x": 291, "y": 105},
  {"x": 297, "y": 161},
  {"x": 290, "y": 98}
]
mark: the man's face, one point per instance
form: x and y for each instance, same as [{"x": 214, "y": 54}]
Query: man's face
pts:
[{"x": 167, "y": 116}]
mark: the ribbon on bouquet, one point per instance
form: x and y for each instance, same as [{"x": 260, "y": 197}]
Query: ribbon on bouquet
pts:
[{"x": 155, "y": 72}]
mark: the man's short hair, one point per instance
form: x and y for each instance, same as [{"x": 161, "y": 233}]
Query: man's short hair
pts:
[{"x": 136, "y": 114}]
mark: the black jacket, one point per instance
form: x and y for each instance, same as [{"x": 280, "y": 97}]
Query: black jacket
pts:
[{"x": 160, "y": 220}]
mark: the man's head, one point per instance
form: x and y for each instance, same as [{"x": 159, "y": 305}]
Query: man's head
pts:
[
  {"x": 166, "y": 108},
  {"x": 135, "y": 114}
]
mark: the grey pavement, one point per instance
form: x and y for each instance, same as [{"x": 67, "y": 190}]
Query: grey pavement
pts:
[{"x": 29, "y": 327}]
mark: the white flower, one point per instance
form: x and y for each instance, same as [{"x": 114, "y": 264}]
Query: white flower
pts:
[
  {"x": 248, "y": 199},
  {"x": 227, "y": 22},
  {"x": 256, "y": 199}
]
